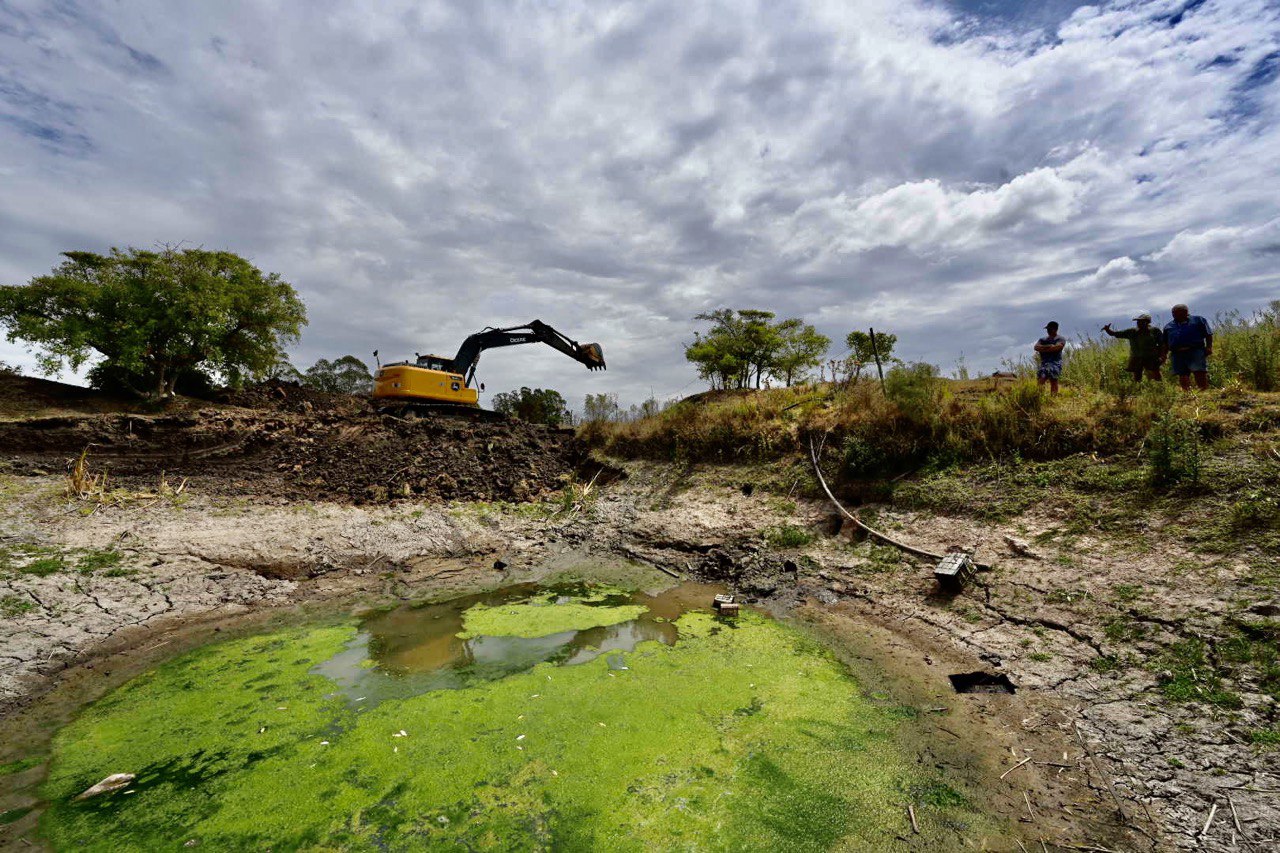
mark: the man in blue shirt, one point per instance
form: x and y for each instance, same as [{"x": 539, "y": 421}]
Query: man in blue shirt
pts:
[
  {"x": 1190, "y": 343},
  {"x": 1050, "y": 348}
]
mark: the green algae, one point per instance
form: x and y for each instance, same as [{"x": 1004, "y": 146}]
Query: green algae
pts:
[
  {"x": 741, "y": 736},
  {"x": 542, "y": 616}
]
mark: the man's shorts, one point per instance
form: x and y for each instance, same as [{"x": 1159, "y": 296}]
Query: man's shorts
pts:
[
  {"x": 1049, "y": 370},
  {"x": 1191, "y": 361},
  {"x": 1143, "y": 365}
]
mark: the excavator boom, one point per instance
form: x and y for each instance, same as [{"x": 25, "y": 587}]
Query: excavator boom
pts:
[{"x": 433, "y": 380}]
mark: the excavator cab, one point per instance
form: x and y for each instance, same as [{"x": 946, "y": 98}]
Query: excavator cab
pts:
[{"x": 433, "y": 382}]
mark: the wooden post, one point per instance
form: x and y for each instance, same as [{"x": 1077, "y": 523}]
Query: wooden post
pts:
[{"x": 875, "y": 351}]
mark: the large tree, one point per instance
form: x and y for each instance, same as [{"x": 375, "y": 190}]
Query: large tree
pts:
[
  {"x": 534, "y": 405},
  {"x": 738, "y": 349},
  {"x": 745, "y": 345},
  {"x": 346, "y": 375},
  {"x": 155, "y": 316}
]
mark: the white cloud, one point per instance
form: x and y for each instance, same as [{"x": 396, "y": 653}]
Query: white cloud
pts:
[
  {"x": 1114, "y": 274},
  {"x": 420, "y": 171},
  {"x": 1213, "y": 244}
]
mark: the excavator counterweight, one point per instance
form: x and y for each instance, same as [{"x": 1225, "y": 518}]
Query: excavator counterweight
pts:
[{"x": 433, "y": 382}]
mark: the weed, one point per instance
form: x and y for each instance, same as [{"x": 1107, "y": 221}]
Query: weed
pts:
[
  {"x": 1264, "y": 737},
  {"x": 1188, "y": 676},
  {"x": 1105, "y": 663},
  {"x": 1173, "y": 450},
  {"x": 43, "y": 566},
  {"x": 91, "y": 561},
  {"x": 1126, "y": 592},
  {"x": 1066, "y": 596},
  {"x": 1124, "y": 629},
  {"x": 15, "y": 605},
  {"x": 1256, "y": 509},
  {"x": 787, "y": 536},
  {"x": 1040, "y": 656}
]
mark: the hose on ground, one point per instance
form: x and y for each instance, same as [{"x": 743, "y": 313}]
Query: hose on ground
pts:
[{"x": 870, "y": 531}]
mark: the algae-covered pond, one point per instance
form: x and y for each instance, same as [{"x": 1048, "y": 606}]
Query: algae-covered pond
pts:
[{"x": 573, "y": 718}]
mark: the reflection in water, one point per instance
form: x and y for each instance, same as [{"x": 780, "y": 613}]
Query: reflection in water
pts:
[{"x": 412, "y": 650}]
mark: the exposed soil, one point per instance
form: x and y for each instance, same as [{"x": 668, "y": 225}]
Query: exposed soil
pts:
[{"x": 340, "y": 452}]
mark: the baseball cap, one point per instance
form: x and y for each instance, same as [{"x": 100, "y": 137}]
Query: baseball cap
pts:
[{"x": 1143, "y": 316}]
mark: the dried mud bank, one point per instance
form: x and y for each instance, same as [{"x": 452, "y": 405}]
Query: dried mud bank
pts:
[{"x": 1094, "y": 759}]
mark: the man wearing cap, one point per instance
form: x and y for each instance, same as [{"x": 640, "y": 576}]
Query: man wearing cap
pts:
[
  {"x": 1190, "y": 343},
  {"x": 1050, "y": 348},
  {"x": 1146, "y": 348}
]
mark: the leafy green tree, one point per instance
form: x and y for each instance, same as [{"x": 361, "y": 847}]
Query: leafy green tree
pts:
[
  {"x": 346, "y": 375},
  {"x": 861, "y": 352},
  {"x": 535, "y": 405},
  {"x": 155, "y": 316},
  {"x": 738, "y": 350},
  {"x": 802, "y": 349}
]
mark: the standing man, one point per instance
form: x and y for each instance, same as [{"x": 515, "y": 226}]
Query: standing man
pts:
[
  {"x": 1050, "y": 348},
  {"x": 1146, "y": 348},
  {"x": 1190, "y": 343}
]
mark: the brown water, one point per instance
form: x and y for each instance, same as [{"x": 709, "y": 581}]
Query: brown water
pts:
[{"x": 416, "y": 649}]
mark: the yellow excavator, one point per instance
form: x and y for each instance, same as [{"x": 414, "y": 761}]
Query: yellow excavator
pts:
[{"x": 433, "y": 383}]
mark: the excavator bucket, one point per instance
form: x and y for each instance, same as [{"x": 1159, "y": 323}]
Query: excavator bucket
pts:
[{"x": 592, "y": 356}]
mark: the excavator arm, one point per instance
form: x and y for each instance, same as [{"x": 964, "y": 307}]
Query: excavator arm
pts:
[{"x": 536, "y": 331}]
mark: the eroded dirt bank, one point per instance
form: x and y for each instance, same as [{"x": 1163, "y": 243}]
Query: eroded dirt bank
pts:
[{"x": 1091, "y": 756}]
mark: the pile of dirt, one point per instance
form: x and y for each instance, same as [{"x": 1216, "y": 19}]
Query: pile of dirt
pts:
[
  {"x": 320, "y": 455},
  {"x": 279, "y": 396}
]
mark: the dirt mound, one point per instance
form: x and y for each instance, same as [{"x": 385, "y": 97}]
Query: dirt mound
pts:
[
  {"x": 325, "y": 455},
  {"x": 279, "y": 396}
]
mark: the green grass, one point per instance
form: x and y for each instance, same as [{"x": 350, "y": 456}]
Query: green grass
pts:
[
  {"x": 749, "y": 737},
  {"x": 787, "y": 536},
  {"x": 1188, "y": 676},
  {"x": 15, "y": 605}
]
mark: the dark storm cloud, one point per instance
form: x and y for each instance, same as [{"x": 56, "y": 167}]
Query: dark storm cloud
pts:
[{"x": 951, "y": 171}]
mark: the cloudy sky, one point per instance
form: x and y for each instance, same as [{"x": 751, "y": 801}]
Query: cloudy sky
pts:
[{"x": 956, "y": 172}]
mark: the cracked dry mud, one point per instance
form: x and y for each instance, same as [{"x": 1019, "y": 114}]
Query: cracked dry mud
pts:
[{"x": 1112, "y": 764}]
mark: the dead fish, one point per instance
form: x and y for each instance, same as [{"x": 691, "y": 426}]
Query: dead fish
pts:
[{"x": 112, "y": 783}]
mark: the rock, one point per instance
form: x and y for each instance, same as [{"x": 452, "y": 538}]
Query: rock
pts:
[
  {"x": 1022, "y": 549},
  {"x": 826, "y": 596},
  {"x": 112, "y": 783}
]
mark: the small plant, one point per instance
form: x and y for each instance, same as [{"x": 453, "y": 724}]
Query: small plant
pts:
[
  {"x": 787, "y": 536},
  {"x": 82, "y": 483},
  {"x": 1257, "y": 509},
  {"x": 1173, "y": 450},
  {"x": 15, "y": 605},
  {"x": 1187, "y": 676},
  {"x": 1040, "y": 656},
  {"x": 1265, "y": 737},
  {"x": 1123, "y": 629},
  {"x": 92, "y": 561},
  {"x": 1105, "y": 663},
  {"x": 1126, "y": 592}
]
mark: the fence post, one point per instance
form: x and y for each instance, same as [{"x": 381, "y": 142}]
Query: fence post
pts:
[{"x": 875, "y": 351}]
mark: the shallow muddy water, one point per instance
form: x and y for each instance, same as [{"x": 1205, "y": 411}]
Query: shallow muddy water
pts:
[{"x": 573, "y": 718}]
